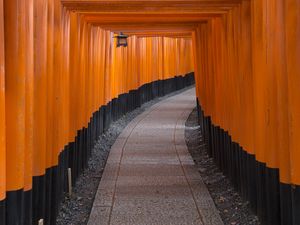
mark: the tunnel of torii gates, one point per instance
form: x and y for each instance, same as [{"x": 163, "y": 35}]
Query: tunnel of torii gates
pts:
[{"x": 62, "y": 81}]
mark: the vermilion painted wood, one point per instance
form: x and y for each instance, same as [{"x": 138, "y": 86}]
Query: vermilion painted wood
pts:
[
  {"x": 292, "y": 32},
  {"x": 15, "y": 75},
  {"x": 2, "y": 109},
  {"x": 29, "y": 95},
  {"x": 243, "y": 59},
  {"x": 50, "y": 83},
  {"x": 165, "y": 6},
  {"x": 40, "y": 87},
  {"x": 244, "y": 53}
]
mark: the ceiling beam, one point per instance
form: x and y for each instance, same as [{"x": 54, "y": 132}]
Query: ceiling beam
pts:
[{"x": 150, "y": 6}]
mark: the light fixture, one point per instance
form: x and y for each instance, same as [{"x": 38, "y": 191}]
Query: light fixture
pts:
[{"x": 121, "y": 40}]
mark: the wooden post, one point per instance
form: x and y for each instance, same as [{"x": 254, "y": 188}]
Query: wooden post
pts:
[
  {"x": 70, "y": 181},
  {"x": 41, "y": 222}
]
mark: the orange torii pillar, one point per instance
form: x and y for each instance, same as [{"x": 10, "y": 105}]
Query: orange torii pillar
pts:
[
  {"x": 247, "y": 76},
  {"x": 292, "y": 32},
  {"x": 39, "y": 109},
  {"x": 58, "y": 82},
  {"x": 29, "y": 117},
  {"x": 2, "y": 120},
  {"x": 15, "y": 78}
]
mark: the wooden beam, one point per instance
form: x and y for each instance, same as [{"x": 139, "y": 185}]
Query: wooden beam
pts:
[{"x": 148, "y": 6}]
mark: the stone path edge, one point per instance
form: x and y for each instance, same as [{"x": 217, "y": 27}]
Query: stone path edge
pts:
[{"x": 103, "y": 203}]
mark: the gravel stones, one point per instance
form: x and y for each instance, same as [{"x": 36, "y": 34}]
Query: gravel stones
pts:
[
  {"x": 233, "y": 209},
  {"x": 75, "y": 210}
]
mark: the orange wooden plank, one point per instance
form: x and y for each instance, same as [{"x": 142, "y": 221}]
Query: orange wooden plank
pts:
[
  {"x": 40, "y": 88},
  {"x": 292, "y": 35},
  {"x": 15, "y": 72},
  {"x": 2, "y": 108},
  {"x": 29, "y": 116}
]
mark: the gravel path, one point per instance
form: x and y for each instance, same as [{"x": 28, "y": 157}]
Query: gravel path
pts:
[
  {"x": 233, "y": 209},
  {"x": 76, "y": 210}
]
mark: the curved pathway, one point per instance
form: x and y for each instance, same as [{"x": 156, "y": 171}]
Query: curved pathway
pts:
[{"x": 150, "y": 177}]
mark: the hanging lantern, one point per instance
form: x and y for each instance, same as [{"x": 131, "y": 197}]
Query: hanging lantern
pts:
[{"x": 121, "y": 40}]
